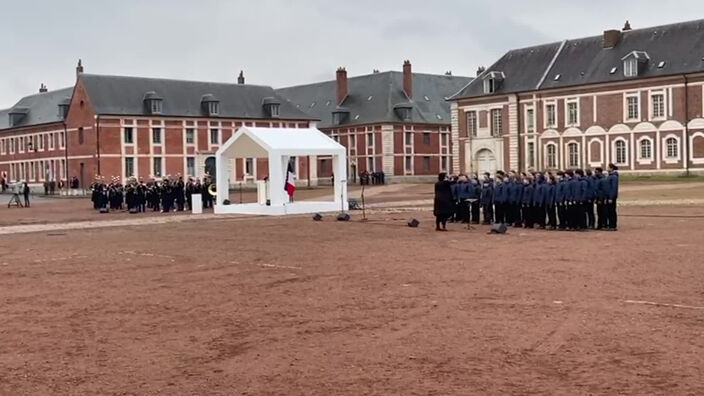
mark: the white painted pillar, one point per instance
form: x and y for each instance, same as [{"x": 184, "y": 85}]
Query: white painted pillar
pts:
[
  {"x": 313, "y": 170},
  {"x": 221, "y": 182},
  {"x": 277, "y": 178},
  {"x": 340, "y": 188}
]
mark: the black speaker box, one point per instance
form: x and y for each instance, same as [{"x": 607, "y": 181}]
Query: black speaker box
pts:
[
  {"x": 317, "y": 217},
  {"x": 343, "y": 217},
  {"x": 104, "y": 210},
  {"x": 413, "y": 223},
  {"x": 226, "y": 202}
]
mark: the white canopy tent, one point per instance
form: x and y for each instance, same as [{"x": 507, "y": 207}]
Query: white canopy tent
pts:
[{"x": 279, "y": 145}]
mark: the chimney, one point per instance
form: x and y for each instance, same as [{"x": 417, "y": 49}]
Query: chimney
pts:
[
  {"x": 240, "y": 78},
  {"x": 79, "y": 68},
  {"x": 480, "y": 70},
  {"x": 626, "y": 26},
  {"x": 42, "y": 88},
  {"x": 407, "y": 79},
  {"x": 341, "y": 85},
  {"x": 611, "y": 38}
]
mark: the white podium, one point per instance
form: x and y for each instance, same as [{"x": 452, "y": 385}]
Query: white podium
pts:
[
  {"x": 261, "y": 192},
  {"x": 196, "y": 204}
]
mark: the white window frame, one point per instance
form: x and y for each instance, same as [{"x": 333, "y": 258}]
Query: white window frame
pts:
[
  {"x": 530, "y": 126},
  {"x": 548, "y": 165},
  {"x": 531, "y": 164},
  {"x": 568, "y": 154},
  {"x": 210, "y": 136},
  {"x": 630, "y": 67},
  {"x": 665, "y": 157},
  {"x": 408, "y": 160},
  {"x": 12, "y": 145},
  {"x": 496, "y": 131},
  {"x": 651, "y": 113},
  {"x": 185, "y": 136},
  {"x": 626, "y": 113},
  {"x": 370, "y": 142},
  {"x": 161, "y": 165},
  {"x": 52, "y": 143},
  {"x": 614, "y": 151},
  {"x": 370, "y": 161},
  {"x": 134, "y": 167},
  {"x": 62, "y": 140},
  {"x": 195, "y": 168},
  {"x": 645, "y": 160},
  {"x": 546, "y": 119},
  {"x": 22, "y": 144},
  {"x": 406, "y": 141},
  {"x": 40, "y": 141},
  {"x": 161, "y": 136},
  {"x": 574, "y": 101},
  {"x": 474, "y": 129},
  {"x": 124, "y": 135},
  {"x": 3, "y": 149}
]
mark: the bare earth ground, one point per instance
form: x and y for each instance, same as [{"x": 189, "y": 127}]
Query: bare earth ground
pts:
[{"x": 287, "y": 306}]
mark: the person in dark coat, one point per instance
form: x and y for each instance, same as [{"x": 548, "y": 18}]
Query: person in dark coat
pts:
[
  {"x": 589, "y": 199},
  {"x": 612, "y": 196},
  {"x": 25, "y": 192},
  {"x": 600, "y": 196},
  {"x": 527, "y": 203},
  {"x": 487, "y": 199},
  {"x": 442, "y": 205}
]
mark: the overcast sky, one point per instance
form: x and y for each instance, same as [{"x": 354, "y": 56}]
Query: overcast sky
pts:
[{"x": 281, "y": 43}]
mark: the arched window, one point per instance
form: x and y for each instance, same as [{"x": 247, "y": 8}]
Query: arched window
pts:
[
  {"x": 573, "y": 151},
  {"x": 646, "y": 149},
  {"x": 672, "y": 147},
  {"x": 621, "y": 157},
  {"x": 551, "y": 156}
]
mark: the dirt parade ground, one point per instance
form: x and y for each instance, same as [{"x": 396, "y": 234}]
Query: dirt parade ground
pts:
[{"x": 288, "y": 306}]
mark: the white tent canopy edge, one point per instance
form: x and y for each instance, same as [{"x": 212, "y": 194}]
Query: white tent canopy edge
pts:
[{"x": 279, "y": 145}]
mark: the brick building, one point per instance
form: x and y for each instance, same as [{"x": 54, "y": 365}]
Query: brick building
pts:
[
  {"x": 143, "y": 127},
  {"x": 398, "y": 122},
  {"x": 631, "y": 97}
]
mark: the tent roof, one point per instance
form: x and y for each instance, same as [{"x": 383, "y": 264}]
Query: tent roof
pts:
[{"x": 261, "y": 142}]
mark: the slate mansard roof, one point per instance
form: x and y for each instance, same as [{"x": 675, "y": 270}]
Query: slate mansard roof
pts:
[
  {"x": 371, "y": 98},
  {"x": 40, "y": 108},
  {"x": 672, "y": 50},
  {"x": 120, "y": 95}
]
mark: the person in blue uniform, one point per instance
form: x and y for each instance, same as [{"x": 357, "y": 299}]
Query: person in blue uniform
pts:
[
  {"x": 500, "y": 194},
  {"x": 612, "y": 197},
  {"x": 539, "y": 200},
  {"x": 550, "y": 189},
  {"x": 589, "y": 199},
  {"x": 475, "y": 191},
  {"x": 487, "y": 198},
  {"x": 527, "y": 202},
  {"x": 560, "y": 201},
  {"x": 601, "y": 195}
]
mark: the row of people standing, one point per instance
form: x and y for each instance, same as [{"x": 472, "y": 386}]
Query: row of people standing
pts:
[
  {"x": 563, "y": 200},
  {"x": 166, "y": 195}
]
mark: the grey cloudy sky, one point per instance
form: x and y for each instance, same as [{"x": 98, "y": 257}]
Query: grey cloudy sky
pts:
[{"x": 281, "y": 43}]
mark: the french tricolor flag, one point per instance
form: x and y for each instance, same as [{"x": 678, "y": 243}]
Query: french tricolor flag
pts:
[{"x": 290, "y": 186}]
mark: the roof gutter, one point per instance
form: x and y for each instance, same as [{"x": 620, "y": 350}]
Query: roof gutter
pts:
[{"x": 552, "y": 62}]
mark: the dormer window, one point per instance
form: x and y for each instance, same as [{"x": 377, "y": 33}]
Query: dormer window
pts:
[
  {"x": 17, "y": 115},
  {"x": 492, "y": 81},
  {"x": 340, "y": 116},
  {"x": 634, "y": 63},
  {"x": 271, "y": 107},
  {"x": 404, "y": 111},
  {"x": 153, "y": 103},
  {"x": 63, "y": 107},
  {"x": 210, "y": 104}
]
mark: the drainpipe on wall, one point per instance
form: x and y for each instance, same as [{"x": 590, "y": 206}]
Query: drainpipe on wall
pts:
[
  {"x": 518, "y": 131},
  {"x": 97, "y": 142},
  {"x": 686, "y": 126}
]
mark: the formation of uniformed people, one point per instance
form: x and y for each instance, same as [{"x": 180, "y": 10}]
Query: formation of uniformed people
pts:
[
  {"x": 165, "y": 195},
  {"x": 561, "y": 200}
]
